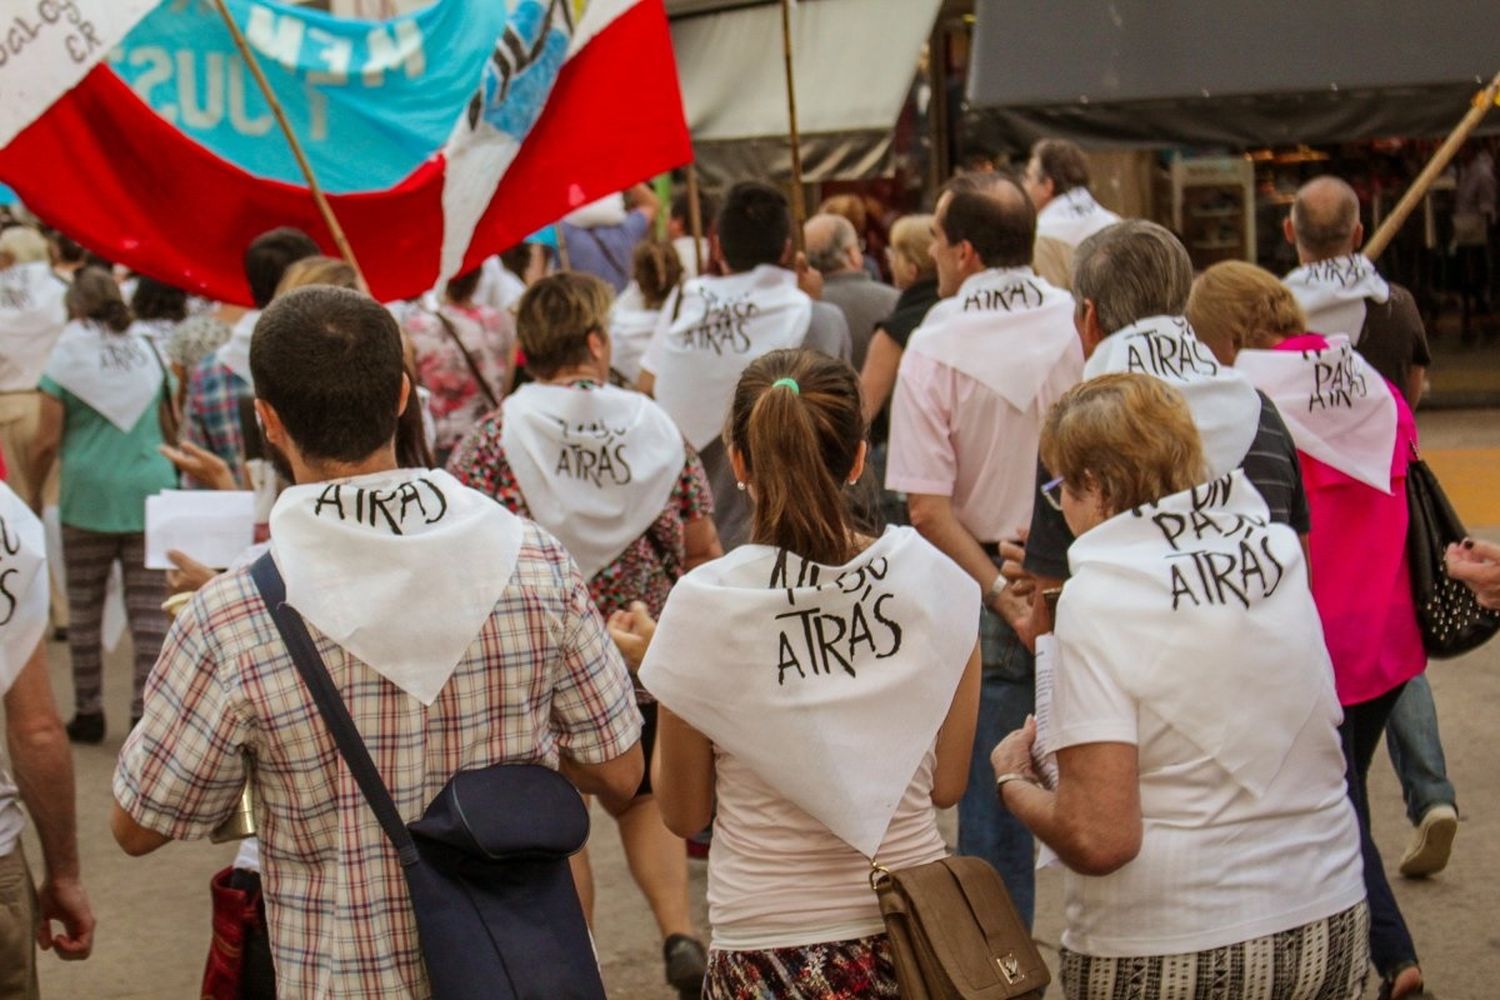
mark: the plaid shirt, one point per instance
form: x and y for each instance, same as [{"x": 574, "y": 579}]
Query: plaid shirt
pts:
[
  {"x": 541, "y": 679},
  {"x": 211, "y": 417}
]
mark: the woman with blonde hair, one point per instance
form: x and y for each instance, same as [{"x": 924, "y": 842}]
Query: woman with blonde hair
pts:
[
  {"x": 837, "y": 708},
  {"x": 1190, "y": 777},
  {"x": 1354, "y": 435}
]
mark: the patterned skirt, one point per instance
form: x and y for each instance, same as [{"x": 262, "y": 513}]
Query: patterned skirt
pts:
[
  {"x": 860, "y": 969},
  {"x": 1324, "y": 960}
]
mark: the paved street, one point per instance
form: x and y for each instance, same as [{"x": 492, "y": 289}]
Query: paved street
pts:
[{"x": 154, "y": 915}]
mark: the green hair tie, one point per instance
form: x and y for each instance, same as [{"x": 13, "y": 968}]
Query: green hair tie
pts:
[{"x": 790, "y": 383}]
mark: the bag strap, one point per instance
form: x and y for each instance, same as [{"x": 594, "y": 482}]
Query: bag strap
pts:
[
  {"x": 479, "y": 379},
  {"x": 168, "y": 401},
  {"x": 331, "y": 706}
]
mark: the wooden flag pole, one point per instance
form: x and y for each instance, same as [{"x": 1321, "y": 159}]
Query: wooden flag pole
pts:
[
  {"x": 1482, "y": 103},
  {"x": 324, "y": 208},
  {"x": 695, "y": 217},
  {"x": 799, "y": 210}
]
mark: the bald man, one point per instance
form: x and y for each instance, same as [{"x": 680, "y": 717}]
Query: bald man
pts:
[
  {"x": 833, "y": 249},
  {"x": 1342, "y": 292}
]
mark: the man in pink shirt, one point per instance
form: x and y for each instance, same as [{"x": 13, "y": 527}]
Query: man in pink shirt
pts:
[{"x": 975, "y": 382}]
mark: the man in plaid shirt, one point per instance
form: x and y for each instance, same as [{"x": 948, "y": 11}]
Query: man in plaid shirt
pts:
[
  {"x": 458, "y": 635},
  {"x": 211, "y": 413}
]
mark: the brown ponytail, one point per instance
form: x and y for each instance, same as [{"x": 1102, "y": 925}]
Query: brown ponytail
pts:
[
  {"x": 657, "y": 270},
  {"x": 799, "y": 448},
  {"x": 93, "y": 295}
]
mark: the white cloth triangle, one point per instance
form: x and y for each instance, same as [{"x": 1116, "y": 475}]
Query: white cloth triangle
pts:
[
  {"x": 1225, "y": 405},
  {"x": 32, "y": 316},
  {"x": 234, "y": 354},
  {"x": 1339, "y": 410},
  {"x": 1204, "y": 585},
  {"x": 1073, "y": 217},
  {"x": 400, "y": 568},
  {"x": 116, "y": 374},
  {"x": 631, "y": 325},
  {"x": 596, "y": 464},
  {"x": 23, "y": 585},
  {"x": 720, "y": 327},
  {"x": 830, "y": 683},
  {"x": 1333, "y": 293},
  {"x": 1007, "y": 329}
]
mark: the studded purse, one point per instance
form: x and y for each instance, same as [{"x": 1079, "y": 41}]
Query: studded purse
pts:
[{"x": 1450, "y": 617}]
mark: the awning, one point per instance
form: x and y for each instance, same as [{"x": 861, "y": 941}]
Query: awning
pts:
[
  {"x": 1235, "y": 73},
  {"x": 854, "y": 61}
]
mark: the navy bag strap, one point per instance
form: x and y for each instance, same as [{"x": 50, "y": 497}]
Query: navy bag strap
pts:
[{"x": 331, "y": 706}]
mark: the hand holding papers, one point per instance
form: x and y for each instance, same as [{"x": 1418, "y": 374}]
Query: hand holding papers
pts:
[{"x": 211, "y": 526}]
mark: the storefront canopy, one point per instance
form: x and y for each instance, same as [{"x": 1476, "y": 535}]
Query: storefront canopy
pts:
[
  {"x": 1236, "y": 73},
  {"x": 854, "y": 61}
]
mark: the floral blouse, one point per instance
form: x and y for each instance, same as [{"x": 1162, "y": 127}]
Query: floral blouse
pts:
[{"x": 457, "y": 401}]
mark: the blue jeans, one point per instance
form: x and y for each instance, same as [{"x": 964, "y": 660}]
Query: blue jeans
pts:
[
  {"x": 1411, "y": 736},
  {"x": 986, "y": 829}
]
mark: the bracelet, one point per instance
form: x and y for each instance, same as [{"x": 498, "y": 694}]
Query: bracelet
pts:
[
  {"x": 1008, "y": 776},
  {"x": 996, "y": 589}
]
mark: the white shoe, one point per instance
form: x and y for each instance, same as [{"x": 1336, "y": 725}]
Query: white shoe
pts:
[{"x": 1431, "y": 843}]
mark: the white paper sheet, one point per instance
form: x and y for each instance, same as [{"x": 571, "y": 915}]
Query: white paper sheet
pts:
[
  {"x": 1043, "y": 757},
  {"x": 211, "y": 526}
]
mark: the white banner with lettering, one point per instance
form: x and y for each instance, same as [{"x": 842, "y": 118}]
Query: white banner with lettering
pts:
[
  {"x": 400, "y": 568},
  {"x": 50, "y": 45},
  {"x": 1225, "y": 405},
  {"x": 708, "y": 339},
  {"x": 1006, "y": 328},
  {"x": 1073, "y": 217},
  {"x": 23, "y": 585},
  {"x": 596, "y": 464},
  {"x": 1339, "y": 410},
  {"x": 1202, "y": 583},
  {"x": 1335, "y": 293},
  {"x": 116, "y": 374},
  {"x": 841, "y": 675}
]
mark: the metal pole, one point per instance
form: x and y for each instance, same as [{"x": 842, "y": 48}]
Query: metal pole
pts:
[
  {"x": 799, "y": 211},
  {"x": 324, "y": 208},
  {"x": 1483, "y": 101}
]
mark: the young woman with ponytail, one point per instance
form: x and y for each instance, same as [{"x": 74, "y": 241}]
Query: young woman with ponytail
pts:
[
  {"x": 818, "y": 693},
  {"x": 102, "y": 398}
]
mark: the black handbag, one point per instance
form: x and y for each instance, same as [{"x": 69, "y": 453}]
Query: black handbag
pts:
[
  {"x": 1448, "y": 613},
  {"x": 486, "y": 866}
]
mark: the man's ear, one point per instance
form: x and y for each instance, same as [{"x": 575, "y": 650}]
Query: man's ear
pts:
[
  {"x": 406, "y": 391},
  {"x": 1288, "y": 231},
  {"x": 271, "y": 426},
  {"x": 1357, "y": 238},
  {"x": 788, "y": 253}
]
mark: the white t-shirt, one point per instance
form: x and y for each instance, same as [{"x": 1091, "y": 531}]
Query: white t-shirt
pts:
[{"x": 1217, "y": 865}]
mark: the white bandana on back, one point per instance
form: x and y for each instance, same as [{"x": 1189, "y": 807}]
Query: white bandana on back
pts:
[
  {"x": 400, "y": 568},
  {"x": 23, "y": 586},
  {"x": 1073, "y": 217},
  {"x": 1006, "y": 328},
  {"x": 1202, "y": 583},
  {"x": 235, "y": 354},
  {"x": 1225, "y": 405},
  {"x": 116, "y": 374},
  {"x": 830, "y": 683},
  {"x": 32, "y": 315},
  {"x": 1333, "y": 293},
  {"x": 631, "y": 325},
  {"x": 721, "y": 325},
  {"x": 1338, "y": 409},
  {"x": 596, "y": 464}
]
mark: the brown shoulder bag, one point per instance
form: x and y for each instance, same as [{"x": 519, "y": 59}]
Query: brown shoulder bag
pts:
[{"x": 955, "y": 935}]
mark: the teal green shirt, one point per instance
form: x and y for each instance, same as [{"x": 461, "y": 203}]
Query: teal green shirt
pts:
[{"x": 107, "y": 474}]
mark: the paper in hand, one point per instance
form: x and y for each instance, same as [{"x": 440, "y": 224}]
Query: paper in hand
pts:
[{"x": 211, "y": 526}]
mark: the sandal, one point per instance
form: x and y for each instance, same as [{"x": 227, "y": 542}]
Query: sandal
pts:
[{"x": 1388, "y": 984}]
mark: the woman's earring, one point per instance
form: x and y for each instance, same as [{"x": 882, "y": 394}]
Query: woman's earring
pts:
[{"x": 739, "y": 486}]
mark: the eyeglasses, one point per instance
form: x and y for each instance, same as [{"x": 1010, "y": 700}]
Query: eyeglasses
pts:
[{"x": 1052, "y": 493}]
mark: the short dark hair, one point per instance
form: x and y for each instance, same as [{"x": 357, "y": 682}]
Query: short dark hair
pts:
[
  {"x": 158, "y": 300},
  {"x": 682, "y": 208},
  {"x": 1063, "y": 163},
  {"x": 1000, "y": 226},
  {"x": 753, "y": 226},
  {"x": 461, "y": 289},
  {"x": 328, "y": 360},
  {"x": 268, "y": 256}
]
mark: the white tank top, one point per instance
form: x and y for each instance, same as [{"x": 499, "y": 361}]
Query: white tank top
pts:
[{"x": 777, "y": 878}]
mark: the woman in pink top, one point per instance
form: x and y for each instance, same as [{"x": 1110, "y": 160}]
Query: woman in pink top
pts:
[
  {"x": 818, "y": 692},
  {"x": 1355, "y": 435}
]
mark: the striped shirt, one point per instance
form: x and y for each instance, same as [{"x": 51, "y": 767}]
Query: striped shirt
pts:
[
  {"x": 541, "y": 680},
  {"x": 1271, "y": 465}
]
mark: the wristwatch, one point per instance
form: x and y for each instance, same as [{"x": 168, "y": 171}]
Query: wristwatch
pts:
[{"x": 1008, "y": 776}]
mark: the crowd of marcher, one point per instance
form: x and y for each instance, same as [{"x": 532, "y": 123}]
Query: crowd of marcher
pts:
[{"x": 770, "y": 554}]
